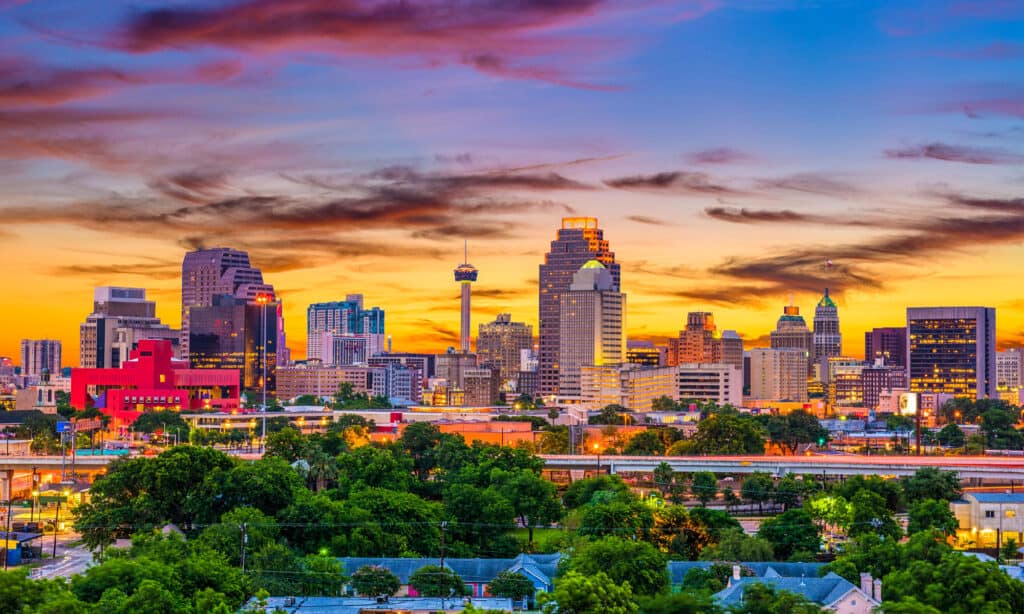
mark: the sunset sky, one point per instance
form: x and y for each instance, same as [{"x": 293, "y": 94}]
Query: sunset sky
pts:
[{"x": 729, "y": 148}]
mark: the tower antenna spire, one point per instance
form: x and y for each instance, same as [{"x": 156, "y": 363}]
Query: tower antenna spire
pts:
[{"x": 465, "y": 250}]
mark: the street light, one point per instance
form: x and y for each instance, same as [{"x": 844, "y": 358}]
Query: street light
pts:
[
  {"x": 56, "y": 520},
  {"x": 597, "y": 450},
  {"x": 263, "y": 299}
]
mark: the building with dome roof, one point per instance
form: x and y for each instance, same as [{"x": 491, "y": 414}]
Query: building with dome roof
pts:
[{"x": 791, "y": 332}]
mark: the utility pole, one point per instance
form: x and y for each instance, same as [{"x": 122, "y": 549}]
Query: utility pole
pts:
[
  {"x": 444, "y": 527},
  {"x": 245, "y": 540},
  {"x": 6, "y": 535}
]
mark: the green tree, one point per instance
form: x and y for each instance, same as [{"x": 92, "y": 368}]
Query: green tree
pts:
[
  {"x": 612, "y": 414},
  {"x": 715, "y": 522},
  {"x": 951, "y": 436},
  {"x": 288, "y": 443},
  {"x": 478, "y": 517},
  {"x": 374, "y": 580},
  {"x": 419, "y": 439},
  {"x": 435, "y": 581},
  {"x": 321, "y": 576},
  {"x": 680, "y": 603},
  {"x": 958, "y": 584},
  {"x": 512, "y": 585},
  {"x": 891, "y": 491},
  {"x": 162, "y": 421},
  {"x": 645, "y": 443},
  {"x": 795, "y": 428},
  {"x": 617, "y": 517},
  {"x": 712, "y": 579},
  {"x": 1009, "y": 550},
  {"x": 735, "y": 545},
  {"x": 704, "y": 486},
  {"x": 534, "y": 500},
  {"x": 931, "y": 483},
  {"x": 637, "y": 563},
  {"x": 928, "y": 514},
  {"x": 277, "y": 569},
  {"x": 724, "y": 433},
  {"x": 870, "y": 515},
  {"x": 757, "y": 488},
  {"x": 664, "y": 477},
  {"x": 226, "y": 536},
  {"x": 787, "y": 492},
  {"x": 582, "y": 491},
  {"x": 997, "y": 426},
  {"x": 791, "y": 533},
  {"x": 577, "y": 593},
  {"x": 664, "y": 404},
  {"x": 677, "y": 534},
  {"x": 906, "y": 606}
]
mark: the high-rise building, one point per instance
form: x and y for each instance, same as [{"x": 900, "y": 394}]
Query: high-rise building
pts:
[
  {"x": 880, "y": 379},
  {"x": 631, "y": 386},
  {"x": 698, "y": 342},
  {"x": 778, "y": 374},
  {"x": 499, "y": 344},
  {"x": 579, "y": 240},
  {"x": 120, "y": 318},
  {"x": 1010, "y": 369},
  {"x": 234, "y": 333},
  {"x": 391, "y": 380},
  {"x": 343, "y": 318},
  {"x": 718, "y": 382},
  {"x": 828, "y": 341},
  {"x": 841, "y": 376},
  {"x": 465, "y": 275},
  {"x": 217, "y": 271},
  {"x": 645, "y": 353},
  {"x": 592, "y": 320},
  {"x": 791, "y": 332},
  {"x": 39, "y": 355},
  {"x": 888, "y": 343},
  {"x": 732, "y": 348},
  {"x": 952, "y": 350}
]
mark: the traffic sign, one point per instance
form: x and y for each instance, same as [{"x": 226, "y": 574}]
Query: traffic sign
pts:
[{"x": 63, "y": 427}]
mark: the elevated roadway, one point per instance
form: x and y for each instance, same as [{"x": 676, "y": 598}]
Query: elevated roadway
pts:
[{"x": 981, "y": 467}]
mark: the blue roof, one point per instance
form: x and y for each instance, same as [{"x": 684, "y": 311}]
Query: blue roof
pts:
[
  {"x": 996, "y": 497},
  {"x": 823, "y": 591},
  {"x": 542, "y": 567},
  {"x": 677, "y": 570}
]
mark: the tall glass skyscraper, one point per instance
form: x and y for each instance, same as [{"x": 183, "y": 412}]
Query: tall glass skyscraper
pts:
[
  {"x": 952, "y": 350},
  {"x": 579, "y": 240},
  {"x": 217, "y": 271},
  {"x": 343, "y": 318}
]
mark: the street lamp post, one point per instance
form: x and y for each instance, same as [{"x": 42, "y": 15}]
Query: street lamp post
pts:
[
  {"x": 597, "y": 450},
  {"x": 263, "y": 300},
  {"x": 56, "y": 521}
]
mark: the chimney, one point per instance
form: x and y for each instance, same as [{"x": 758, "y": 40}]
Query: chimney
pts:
[
  {"x": 865, "y": 584},
  {"x": 878, "y": 590},
  {"x": 736, "y": 572}
]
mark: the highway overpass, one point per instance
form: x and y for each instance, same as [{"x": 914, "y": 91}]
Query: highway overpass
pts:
[{"x": 982, "y": 467}]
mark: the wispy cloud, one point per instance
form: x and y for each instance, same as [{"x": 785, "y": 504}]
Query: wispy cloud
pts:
[
  {"x": 954, "y": 153},
  {"x": 673, "y": 182},
  {"x": 720, "y": 155},
  {"x": 521, "y": 40}
]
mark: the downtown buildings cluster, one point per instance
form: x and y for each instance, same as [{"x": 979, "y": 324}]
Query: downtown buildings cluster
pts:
[{"x": 231, "y": 349}]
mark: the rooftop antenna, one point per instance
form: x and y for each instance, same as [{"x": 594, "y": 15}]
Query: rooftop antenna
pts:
[{"x": 465, "y": 250}]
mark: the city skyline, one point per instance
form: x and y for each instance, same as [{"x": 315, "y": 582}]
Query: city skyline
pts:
[{"x": 856, "y": 146}]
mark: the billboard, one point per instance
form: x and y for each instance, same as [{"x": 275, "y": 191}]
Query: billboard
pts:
[{"x": 908, "y": 404}]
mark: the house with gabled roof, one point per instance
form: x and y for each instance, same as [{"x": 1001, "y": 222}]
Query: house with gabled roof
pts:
[{"x": 832, "y": 592}]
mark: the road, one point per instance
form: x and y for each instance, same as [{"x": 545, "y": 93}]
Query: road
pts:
[
  {"x": 70, "y": 559},
  {"x": 986, "y": 467}
]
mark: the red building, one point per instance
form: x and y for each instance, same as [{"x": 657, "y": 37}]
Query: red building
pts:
[{"x": 152, "y": 379}]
